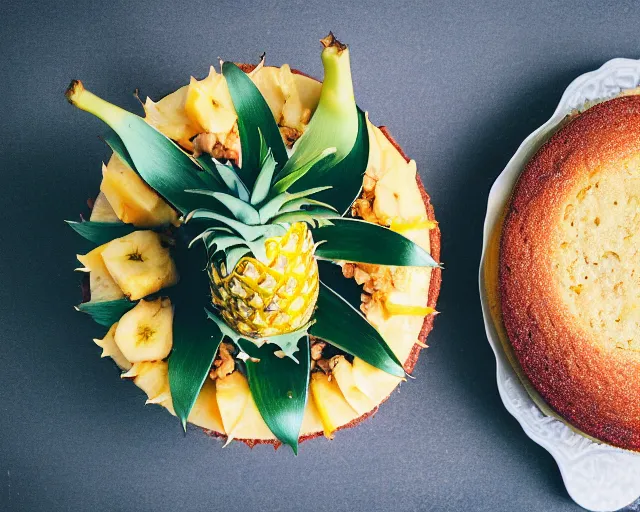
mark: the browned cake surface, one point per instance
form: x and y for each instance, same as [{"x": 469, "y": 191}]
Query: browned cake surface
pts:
[{"x": 570, "y": 272}]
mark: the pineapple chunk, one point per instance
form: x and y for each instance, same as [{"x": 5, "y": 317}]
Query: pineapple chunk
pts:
[
  {"x": 309, "y": 90},
  {"x": 152, "y": 377},
  {"x": 373, "y": 382},
  {"x": 332, "y": 407},
  {"x": 145, "y": 333},
  {"x": 103, "y": 287},
  {"x": 133, "y": 201},
  {"x": 232, "y": 394},
  {"x": 294, "y": 114},
  {"x": 267, "y": 80},
  {"x": 251, "y": 425},
  {"x": 205, "y": 412},
  {"x": 343, "y": 374},
  {"x": 139, "y": 264},
  {"x": 168, "y": 116},
  {"x": 311, "y": 422},
  {"x": 110, "y": 349},
  {"x": 102, "y": 210},
  {"x": 208, "y": 104}
]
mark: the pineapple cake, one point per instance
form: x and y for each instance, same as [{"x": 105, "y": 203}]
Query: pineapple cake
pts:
[{"x": 263, "y": 258}]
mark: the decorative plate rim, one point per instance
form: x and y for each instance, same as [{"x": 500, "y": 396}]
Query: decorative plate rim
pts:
[{"x": 598, "y": 477}]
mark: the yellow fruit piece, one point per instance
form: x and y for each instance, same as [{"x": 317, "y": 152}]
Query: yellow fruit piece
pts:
[
  {"x": 140, "y": 264},
  {"x": 265, "y": 299},
  {"x": 267, "y": 80},
  {"x": 343, "y": 374},
  {"x": 308, "y": 90},
  {"x": 168, "y": 116},
  {"x": 103, "y": 286},
  {"x": 205, "y": 412},
  {"x": 374, "y": 383},
  {"x": 133, "y": 201},
  {"x": 333, "y": 409},
  {"x": 152, "y": 377},
  {"x": 232, "y": 394},
  {"x": 145, "y": 333},
  {"x": 402, "y": 226},
  {"x": 402, "y": 303},
  {"x": 251, "y": 425},
  {"x": 293, "y": 112},
  {"x": 110, "y": 349},
  {"x": 311, "y": 422},
  {"x": 208, "y": 104},
  {"x": 102, "y": 210}
]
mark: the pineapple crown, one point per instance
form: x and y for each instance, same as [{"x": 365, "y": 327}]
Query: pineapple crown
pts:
[
  {"x": 259, "y": 214},
  {"x": 240, "y": 207}
]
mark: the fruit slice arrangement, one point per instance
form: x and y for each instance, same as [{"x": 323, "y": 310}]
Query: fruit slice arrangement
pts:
[{"x": 227, "y": 221}]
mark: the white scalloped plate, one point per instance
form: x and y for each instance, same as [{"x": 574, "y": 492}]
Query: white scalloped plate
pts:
[{"x": 597, "y": 477}]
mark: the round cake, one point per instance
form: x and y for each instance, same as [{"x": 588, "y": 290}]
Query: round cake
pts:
[
  {"x": 570, "y": 272},
  {"x": 271, "y": 343}
]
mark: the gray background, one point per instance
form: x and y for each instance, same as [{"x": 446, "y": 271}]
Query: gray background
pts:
[{"x": 460, "y": 86}]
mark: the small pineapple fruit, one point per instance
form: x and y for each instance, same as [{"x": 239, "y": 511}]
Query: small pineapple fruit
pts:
[
  {"x": 140, "y": 264},
  {"x": 133, "y": 201},
  {"x": 342, "y": 372},
  {"x": 332, "y": 407},
  {"x": 208, "y": 104},
  {"x": 103, "y": 286},
  {"x": 102, "y": 211},
  {"x": 110, "y": 349},
  {"x": 259, "y": 299},
  {"x": 145, "y": 333}
]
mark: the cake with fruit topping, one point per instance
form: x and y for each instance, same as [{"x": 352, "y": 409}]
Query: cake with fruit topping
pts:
[{"x": 264, "y": 260}]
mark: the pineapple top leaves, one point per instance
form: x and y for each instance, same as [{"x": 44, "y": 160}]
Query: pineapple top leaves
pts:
[
  {"x": 255, "y": 121},
  {"x": 236, "y": 210}
]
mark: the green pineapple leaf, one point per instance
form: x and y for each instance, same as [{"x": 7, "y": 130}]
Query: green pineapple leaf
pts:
[
  {"x": 323, "y": 158},
  {"x": 101, "y": 232},
  {"x": 255, "y": 120},
  {"x": 345, "y": 177},
  {"x": 195, "y": 344},
  {"x": 360, "y": 241},
  {"x": 249, "y": 233},
  {"x": 107, "y": 312},
  {"x": 279, "y": 386},
  {"x": 231, "y": 179},
  {"x": 157, "y": 159},
  {"x": 241, "y": 210},
  {"x": 331, "y": 275},
  {"x": 263, "y": 181},
  {"x": 339, "y": 323},
  {"x": 272, "y": 208}
]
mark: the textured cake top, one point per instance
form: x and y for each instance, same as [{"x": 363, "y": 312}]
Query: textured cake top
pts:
[{"x": 570, "y": 272}]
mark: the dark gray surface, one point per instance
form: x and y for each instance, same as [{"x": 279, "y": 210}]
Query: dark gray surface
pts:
[{"x": 459, "y": 85}]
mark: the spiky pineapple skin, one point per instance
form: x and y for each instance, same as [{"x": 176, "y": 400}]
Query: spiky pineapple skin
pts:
[{"x": 260, "y": 300}]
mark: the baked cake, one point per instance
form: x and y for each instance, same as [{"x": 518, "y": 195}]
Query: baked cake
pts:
[{"x": 569, "y": 272}]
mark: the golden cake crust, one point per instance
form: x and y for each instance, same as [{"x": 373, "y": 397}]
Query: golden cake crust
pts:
[{"x": 578, "y": 365}]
